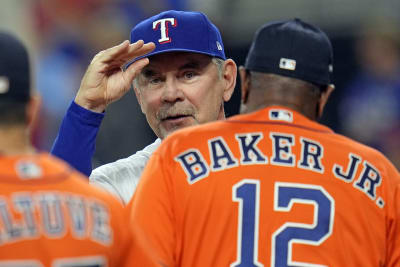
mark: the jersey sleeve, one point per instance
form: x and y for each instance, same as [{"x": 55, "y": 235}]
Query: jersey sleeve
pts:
[
  {"x": 115, "y": 181},
  {"x": 152, "y": 216},
  {"x": 120, "y": 177},
  {"x": 75, "y": 142},
  {"x": 101, "y": 180}
]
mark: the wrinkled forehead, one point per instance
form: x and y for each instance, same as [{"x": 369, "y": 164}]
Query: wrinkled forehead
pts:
[{"x": 177, "y": 60}]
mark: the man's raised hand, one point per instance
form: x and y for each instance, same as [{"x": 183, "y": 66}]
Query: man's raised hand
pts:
[{"x": 105, "y": 81}]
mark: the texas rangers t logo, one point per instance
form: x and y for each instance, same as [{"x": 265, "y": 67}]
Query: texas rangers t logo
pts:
[{"x": 164, "y": 28}]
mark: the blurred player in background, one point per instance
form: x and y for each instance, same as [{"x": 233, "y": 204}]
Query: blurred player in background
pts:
[
  {"x": 271, "y": 187},
  {"x": 49, "y": 215},
  {"x": 186, "y": 83}
]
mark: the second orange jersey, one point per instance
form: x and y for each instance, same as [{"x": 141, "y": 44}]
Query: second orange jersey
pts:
[{"x": 51, "y": 216}]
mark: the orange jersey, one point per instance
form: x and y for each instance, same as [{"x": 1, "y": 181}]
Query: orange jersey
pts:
[
  {"x": 270, "y": 188},
  {"x": 51, "y": 216}
]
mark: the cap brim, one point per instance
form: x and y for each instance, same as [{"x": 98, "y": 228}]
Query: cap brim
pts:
[{"x": 172, "y": 50}]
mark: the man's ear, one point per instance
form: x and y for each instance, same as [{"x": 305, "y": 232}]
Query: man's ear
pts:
[
  {"x": 244, "y": 84},
  {"x": 324, "y": 99},
  {"x": 229, "y": 77}
]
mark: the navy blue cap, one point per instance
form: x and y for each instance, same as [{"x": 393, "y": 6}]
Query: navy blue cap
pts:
[
  {"x": 180, "y": 31},
  {"x": 14, "y": 70},
  {"x": 292, "y": 48}
]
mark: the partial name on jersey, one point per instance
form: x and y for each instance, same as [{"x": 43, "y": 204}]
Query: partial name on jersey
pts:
[
  {"x": 53, "y": 214},
  {"x": 196, "y": 167}
]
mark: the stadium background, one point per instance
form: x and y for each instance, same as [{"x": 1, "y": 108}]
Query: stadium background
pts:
[{"x": 63, "y": 36}]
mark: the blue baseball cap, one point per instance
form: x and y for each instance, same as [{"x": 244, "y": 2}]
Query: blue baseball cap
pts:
[{"x": 182, "y": 31}]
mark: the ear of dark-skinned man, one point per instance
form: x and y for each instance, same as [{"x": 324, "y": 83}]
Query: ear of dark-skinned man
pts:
[
  {"x": 244, "y": 84},
  {"x": 324, "y": 99}
]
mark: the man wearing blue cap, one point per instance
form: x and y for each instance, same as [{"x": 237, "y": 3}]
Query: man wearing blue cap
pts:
[
  {"x": 271, "y": 187},
  {"x": 180, "y": 75}
]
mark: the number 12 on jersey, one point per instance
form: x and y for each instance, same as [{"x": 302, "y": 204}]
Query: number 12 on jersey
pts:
[{"x": 247, "y": 194}]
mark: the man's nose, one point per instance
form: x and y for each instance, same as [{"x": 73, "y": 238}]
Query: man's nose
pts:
[{"x": 172, "y": 91}]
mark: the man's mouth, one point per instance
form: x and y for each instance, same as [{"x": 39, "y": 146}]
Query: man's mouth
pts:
[{"x": 175, "y": 117}]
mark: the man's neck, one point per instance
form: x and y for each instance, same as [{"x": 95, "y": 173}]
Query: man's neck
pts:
[{"x": 15, "y": 141}]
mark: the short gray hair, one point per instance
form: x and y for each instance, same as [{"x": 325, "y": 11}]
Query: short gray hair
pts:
[{"x": 219, "y": 62}]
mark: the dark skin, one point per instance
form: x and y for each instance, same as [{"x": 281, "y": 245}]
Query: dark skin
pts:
[{"x": 260, "y": 90}]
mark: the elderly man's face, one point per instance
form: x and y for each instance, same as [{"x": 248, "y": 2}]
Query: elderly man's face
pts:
[{"x": 180, "y": 89}]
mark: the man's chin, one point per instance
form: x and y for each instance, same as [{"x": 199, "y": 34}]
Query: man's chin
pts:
[
  {"x": 169, "y": 128},
  {"x": 165, "y": 132}
]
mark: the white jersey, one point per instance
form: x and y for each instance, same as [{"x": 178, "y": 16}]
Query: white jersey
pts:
[{"x": 122, "y": 176}]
